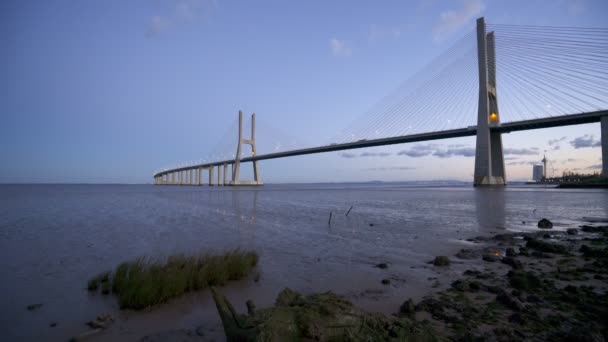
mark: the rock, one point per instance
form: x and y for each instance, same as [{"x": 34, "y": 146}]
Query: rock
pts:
[
  {"x": 408, "y": 308},
  {"x": 250, "y": 307},
  {"x": 287, "y": 297},
  {"x": 517, "y": 318},
  {"x": 510, "y": 302},
  {"x": 510, "y": 252},
  {"x": 533, "y": 299},
  {"x": 385, "y": 281},
  {"x": 256, "y": 278},
  {"x": 33, "y": 307},
  {"x": 491, "y": 257},
  {"x": 516, "y": 264},
  {"x": 382, "y": 265},
  {"x": 371, "y": 224},
  {"x": 572, "y": 231},
  {"x": 523, "y": 280},
  {"x": 594, "y": 229},
  {"x": 53, "y": 324},
  {"x": 546, "y": 247},
  {"x": 441, "y": 261},
  {"x": 318, "y": 317},
  {"x": 545, "y": 224},
  {"x": 200, "y": 331},
  {"x": 468, "y": 254},
  {"x": 546, "y": 236},
  {"x": 466, "y": 286},
  {"x": 101, "y": 322},
  {"x": 472, "y": 273}
]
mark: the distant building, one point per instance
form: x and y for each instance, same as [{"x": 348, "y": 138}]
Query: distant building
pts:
[{"x": 537, "y": 172}]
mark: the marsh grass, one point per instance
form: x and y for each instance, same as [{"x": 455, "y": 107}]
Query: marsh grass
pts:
[{"x": 146, "y": 282}]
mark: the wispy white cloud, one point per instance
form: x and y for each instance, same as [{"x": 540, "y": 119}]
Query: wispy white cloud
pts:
[
  {"x": 339, "y": 48},
  {"x": 379, "y": 33},
  {"x": 576, "y": 7},
  {"x": 521, "y": 151},
  {"x": 453, "y": 20},
  {"x": 438, "y": 151},
  {"x": 157, "y": 25},
  {"x": 555, "y": 141},
  {"x": 390, "y": 168},
  {"x": 183, "y": 11},
  {"x": 347, "y": 155},
  {"x": 587, "y": 140}
]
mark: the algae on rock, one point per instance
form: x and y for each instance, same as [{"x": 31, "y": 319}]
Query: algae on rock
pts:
[{"x": 319, "y": 317}]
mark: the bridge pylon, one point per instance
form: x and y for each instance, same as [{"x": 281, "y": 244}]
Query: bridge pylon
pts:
[
  {"x": 237, "y": 160},
  {"x": 489, "y": 157}
]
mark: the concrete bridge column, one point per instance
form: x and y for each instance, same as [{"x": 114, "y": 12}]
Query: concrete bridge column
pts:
[
  {"x": 225, "y": 173},
  {"x": 211, "y": 175},
  {"x": 489, "y": 161},
  {"x": 604, "y": 124},
  {"x": 198, "y": 176},
  {"x": 219, "y": 174}
]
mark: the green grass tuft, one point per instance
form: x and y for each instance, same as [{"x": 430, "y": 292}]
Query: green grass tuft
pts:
[{"x": 144, "y": 282}]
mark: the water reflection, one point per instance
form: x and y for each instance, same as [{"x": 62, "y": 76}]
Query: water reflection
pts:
[{"x": 490, "y": 208}]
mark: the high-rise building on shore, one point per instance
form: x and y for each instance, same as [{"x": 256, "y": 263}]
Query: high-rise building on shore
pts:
[{"x": 537, "y": 172}]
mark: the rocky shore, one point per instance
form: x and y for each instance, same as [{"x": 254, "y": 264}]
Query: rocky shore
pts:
[{"x": 546, "y": 285}]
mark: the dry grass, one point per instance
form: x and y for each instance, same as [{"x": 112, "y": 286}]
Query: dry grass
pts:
[{"x": 144, "y": 282}]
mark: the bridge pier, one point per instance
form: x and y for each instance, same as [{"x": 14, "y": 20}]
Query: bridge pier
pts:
[
  {"x": 237, "y": 160},
  {"x": 489, "y": 158},
  {"x": 211, "y": 178},
  {"x": 604, "y": 137},
  {"x": 225, "y": 173}
]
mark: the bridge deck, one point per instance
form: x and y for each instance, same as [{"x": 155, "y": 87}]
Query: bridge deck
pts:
[{"x": 555, "y": 121}]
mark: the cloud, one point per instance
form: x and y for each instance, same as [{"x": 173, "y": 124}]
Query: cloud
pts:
[
  {"x": 347, "y": 155},
  {"x": 576, "y": 7},
  {"x": 183, "y": 11},
  {"x": 587, "y": 140},
  {"x": 364, "y": 154},
  {"x": 556, "y": 147},
  {"x": 375, "y": 154},
  {"x": 523, "y": 162},
  {"x": 156, "y": 26},
  {"x": 438, "y": 151},
  {"x": 451, "y": 152},
  {"x": 555, "y": 141},
  {"x": 593, "y": 167},
  {"x": 419, "y": 150},
  {"x": 569, "y": 160},
  {"x": 521, "y": 151},
  {"x": 339, "y": 48},
  {"x": 511, "y": 158},
  {"x": 453, "y": 20},
  {"x": 378, "y": 33},
  {"x": 390, "y": 168}
]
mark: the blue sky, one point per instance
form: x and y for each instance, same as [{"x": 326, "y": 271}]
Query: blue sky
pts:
[{"x": 111, "y": 91}]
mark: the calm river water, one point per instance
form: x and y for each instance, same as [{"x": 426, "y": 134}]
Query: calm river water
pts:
[{"x": 53, "y": 238}]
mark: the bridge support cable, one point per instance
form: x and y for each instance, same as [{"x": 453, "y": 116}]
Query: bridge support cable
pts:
[
  {"x": 552, "y": 70},
  {"x": 384, "y": 111},
  {"x": 426, "y": 102}
]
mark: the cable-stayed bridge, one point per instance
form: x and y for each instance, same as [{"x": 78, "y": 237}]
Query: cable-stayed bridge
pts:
[{"x": 541, "y": 77}]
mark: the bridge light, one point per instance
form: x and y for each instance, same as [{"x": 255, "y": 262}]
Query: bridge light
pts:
[{"x": 493, "y": 117}]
